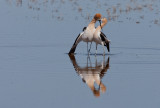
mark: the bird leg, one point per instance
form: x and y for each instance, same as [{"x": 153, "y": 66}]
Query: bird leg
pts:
[
  {"x": 103, "y": 50},
  {"x": 90, "y": 47},
  {"x": 96, "y": 50},
  {"x": 87, "y": 47},
  {"x": 104, "y": 60},
  {"x": 87, "y": 61},
  {"x": 96, "y": 61}
]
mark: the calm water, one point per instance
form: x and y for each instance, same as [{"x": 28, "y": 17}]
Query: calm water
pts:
[{"x": 36, "y": 71}]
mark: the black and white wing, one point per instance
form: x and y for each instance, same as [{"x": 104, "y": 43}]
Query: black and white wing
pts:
[
  {"x": 105, "y": 40},
  {"x": 78, "y": 39}
]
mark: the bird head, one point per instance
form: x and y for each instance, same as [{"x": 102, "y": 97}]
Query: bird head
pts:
[
  {"x": 97, "y": 16},
  {"x": 104, "y": 20}
]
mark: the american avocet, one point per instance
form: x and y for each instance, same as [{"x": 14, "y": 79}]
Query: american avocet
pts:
[
  {"x": 100, "y": 38},
  {"x": 87, "y": 34}
]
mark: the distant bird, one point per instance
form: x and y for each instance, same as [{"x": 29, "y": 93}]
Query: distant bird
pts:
[
  {"x": 87, "y": 34},
  {"x": 100, "y": 38}
]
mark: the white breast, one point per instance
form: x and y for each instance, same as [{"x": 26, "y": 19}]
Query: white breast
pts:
[
  {"x": 88, "y": 35},
  {"x": 96, "y": 37}
]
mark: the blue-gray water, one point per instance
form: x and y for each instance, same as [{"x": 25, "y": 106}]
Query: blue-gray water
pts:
[{"x": 36, "y": 71}]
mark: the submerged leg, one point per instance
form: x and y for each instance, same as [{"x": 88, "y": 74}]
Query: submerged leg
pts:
[{"x": 88, "y": 57}]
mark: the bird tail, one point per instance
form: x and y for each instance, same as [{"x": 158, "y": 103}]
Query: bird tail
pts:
[{"x": 107, "y": 42}]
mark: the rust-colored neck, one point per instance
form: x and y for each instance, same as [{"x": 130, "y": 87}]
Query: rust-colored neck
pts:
[
  {"x": 103, "y": 24},
  {"x": 93, "y": 21}
]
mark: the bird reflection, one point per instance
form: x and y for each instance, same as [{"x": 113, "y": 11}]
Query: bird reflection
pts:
[{"x": 92, "y": 75}]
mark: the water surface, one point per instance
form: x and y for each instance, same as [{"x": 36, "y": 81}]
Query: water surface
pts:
[{"x": 36, "y": 71}]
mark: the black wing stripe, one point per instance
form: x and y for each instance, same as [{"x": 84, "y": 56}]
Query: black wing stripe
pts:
[
  {"x": 72, "y": 50},
  {"x": 84, "y": 28},
  {"x": 105, "y": 40},
  {"x": 76, "y": 39},
  {"x": 103, "y": 34},
  {"x": 102, "y": 37}
]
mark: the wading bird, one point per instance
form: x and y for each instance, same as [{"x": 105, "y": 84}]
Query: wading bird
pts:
[
  {"x": 87, "y": 34},
  {"x": 100, "y": 38}
]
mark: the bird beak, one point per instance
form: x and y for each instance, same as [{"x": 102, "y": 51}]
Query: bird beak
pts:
[{"x": 100, "y": 22}]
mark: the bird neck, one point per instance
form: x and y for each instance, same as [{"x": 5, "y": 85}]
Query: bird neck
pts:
[
  {"x": 98, "y": 28},
  {"x": 93, "y": 21},
  {"x": 92, "y": 24},
  {"x": 103, "y": 24}
]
